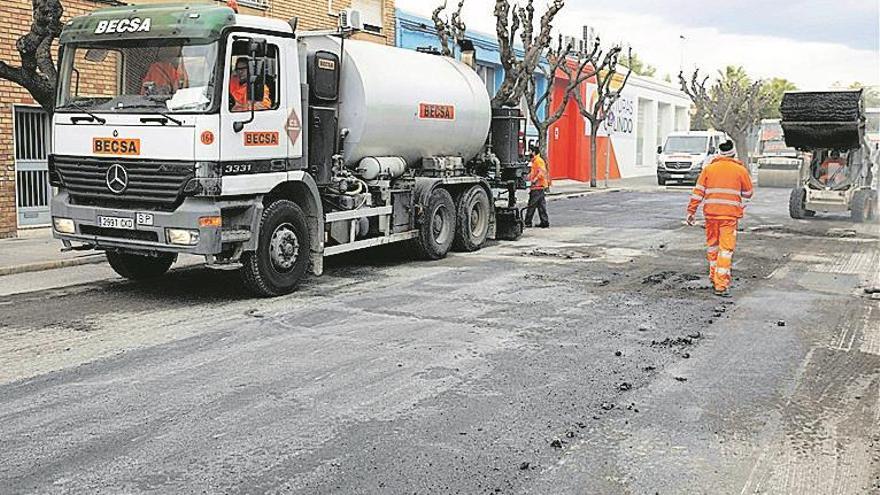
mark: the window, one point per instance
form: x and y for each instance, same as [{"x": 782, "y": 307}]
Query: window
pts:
[
  {"x": 146, "y": 76},
  {"x": 239, "y": 100},
  {"x": 487, "y": 74},
  {"x": 257, "y": 4},
  {"x": 641, "y": 131},
  {"x": 371, "y": 14}
]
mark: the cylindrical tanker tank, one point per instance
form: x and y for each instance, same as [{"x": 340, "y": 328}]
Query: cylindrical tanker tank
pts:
[{"x": 397, "y": 102}]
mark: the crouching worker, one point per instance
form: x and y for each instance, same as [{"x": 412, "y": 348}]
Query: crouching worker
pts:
[{"x": 721, "y": 188}]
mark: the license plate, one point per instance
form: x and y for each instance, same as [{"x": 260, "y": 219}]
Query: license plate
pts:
[
  {"x": 116, "y": 223},
  {"x": 144, "y": 219},
  {"x": 678, "y": 176}
]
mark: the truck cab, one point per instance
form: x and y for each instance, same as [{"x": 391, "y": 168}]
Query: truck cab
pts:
[
  {"x": 684, "y": 154},
  {"x": 190, "y": 129}
]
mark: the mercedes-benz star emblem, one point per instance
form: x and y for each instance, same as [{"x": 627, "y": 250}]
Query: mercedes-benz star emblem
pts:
[{"x": 117, "y": 179}]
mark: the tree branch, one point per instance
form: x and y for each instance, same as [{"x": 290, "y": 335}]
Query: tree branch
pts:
[{"x": 37, "y": 72}]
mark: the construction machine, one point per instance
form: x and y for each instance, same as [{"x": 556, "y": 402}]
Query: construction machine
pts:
[{"x": 839, "y": 176}]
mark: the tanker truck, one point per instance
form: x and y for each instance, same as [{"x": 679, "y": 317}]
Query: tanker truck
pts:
[{"x": 190, "y": 129}]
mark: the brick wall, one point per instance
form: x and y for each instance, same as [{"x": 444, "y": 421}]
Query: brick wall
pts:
[{"x": 15, "y": 20}]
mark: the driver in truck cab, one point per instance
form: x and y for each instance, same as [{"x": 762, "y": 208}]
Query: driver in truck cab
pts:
[
  {"x": 166, "y": 75},
  {"x": 831, "y": 171},
  {"x": 238, "y": 89}
]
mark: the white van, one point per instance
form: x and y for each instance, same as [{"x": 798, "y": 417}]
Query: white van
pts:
[{"x": 685, "y": 153}]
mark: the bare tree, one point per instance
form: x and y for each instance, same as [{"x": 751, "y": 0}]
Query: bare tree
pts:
[
  {"x": 453, "y": 28},
  {"x": 519, "y": 71},
  {"x": 37, "y": 72},
  {"x": 596, "y": 110},
  {"x": 733, "y": 103},
  {"x": 559, "y": 59}
]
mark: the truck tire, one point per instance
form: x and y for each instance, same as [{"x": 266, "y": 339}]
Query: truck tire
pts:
[
  {"x": 437, "y": 225},
  {"x": 138, "y": 267},
  {"x": 472, "y": 219},
  {"x": 863, "y": 206},
  {"x": 282, "y": 257},
  {"x": 796, "y": 207},
  {"x": 661, "y": 181}
]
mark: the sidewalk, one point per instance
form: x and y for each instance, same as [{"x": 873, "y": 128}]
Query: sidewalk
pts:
[{"x": 36, "y": 250}]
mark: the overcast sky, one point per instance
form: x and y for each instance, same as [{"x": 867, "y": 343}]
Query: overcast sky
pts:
[{"x": 811, "y": 42}]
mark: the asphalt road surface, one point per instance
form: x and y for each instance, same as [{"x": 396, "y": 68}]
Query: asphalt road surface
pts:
[{"x": 587, "y": 358}]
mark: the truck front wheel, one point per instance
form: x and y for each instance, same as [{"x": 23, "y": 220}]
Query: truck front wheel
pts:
[
  {"x": 864, "y": 204},
  {"x": 796, "y": 207},
  {"x": 138, "y": 267},
  {"x": 437, "y": 226},
  {"x": 282, "y": 256},
  {"x": 472, "y": 219}
]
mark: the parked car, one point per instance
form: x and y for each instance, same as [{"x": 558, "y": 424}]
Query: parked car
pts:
[{"x": 684, "y": 154}]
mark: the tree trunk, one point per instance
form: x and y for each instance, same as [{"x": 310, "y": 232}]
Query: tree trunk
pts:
[
  {"x": 543, "y": 145},
  {"x": 593, "y": 168},
  {"x": 741, "y": 141}
]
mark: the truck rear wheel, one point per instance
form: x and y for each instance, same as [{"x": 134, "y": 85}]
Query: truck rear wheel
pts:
[
  {"x": 796, "y": 208},
  {"x": 472, "y": 219},
  {"x": 437, "y": 225},
  {"x": 864, "y": 205},
  {"x": 138, "y": 267},
  {"x": 282, "y": 256}
]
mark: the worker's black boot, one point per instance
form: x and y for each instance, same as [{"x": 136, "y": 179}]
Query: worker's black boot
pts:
[{"x": 723, "y": 293}]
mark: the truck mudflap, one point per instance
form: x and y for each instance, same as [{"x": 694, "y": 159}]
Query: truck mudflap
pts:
[{"x": 509, "y": 223}]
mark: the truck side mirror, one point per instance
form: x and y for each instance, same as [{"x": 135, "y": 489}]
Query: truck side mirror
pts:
[
  {"x": 659, "y": 150},
  {"x": 257, "y": 48},
  {"x": 257, "y": 79},
  {"x": 257, "y": 68}
]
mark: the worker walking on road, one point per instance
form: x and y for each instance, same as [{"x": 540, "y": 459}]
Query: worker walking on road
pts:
[
  {"x": 539, "y": 178},
  {"x": 722, "y": 187}
]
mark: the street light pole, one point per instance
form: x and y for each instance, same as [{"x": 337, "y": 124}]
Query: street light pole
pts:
[{"x": 681, "y": 60}]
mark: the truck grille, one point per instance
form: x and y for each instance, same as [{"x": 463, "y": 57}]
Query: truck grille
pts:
[
  {"x": 151, "y": 184},
  {"x": 136, "y": 235},
  {"x": 678, "y": 165}
]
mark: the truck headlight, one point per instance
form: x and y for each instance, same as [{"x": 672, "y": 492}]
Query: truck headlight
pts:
[
  {"x": 64, "y": 225},
  {"x": 183, "y": 237}
]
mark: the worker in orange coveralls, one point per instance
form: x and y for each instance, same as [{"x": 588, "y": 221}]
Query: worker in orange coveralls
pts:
[
  {"x": 539, "y": 178},
  {"x": 722, "y": 188},
  {"x": 238, "y": 89},
  {"x": 166, "y": 75}
]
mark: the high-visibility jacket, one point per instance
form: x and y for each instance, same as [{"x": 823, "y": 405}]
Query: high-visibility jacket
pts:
[
  {"x": 538, "y": 175},
  {"x": 722, "y": 187},
  {"x": 831, "y": 171},
  {"x": 165, "y": 78},
  {"x": 238, "y": 91}
]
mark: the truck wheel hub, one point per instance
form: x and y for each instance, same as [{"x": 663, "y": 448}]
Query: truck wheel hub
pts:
[
  {"x": 284, "y": 247},
  {"x": 440, "y": 227}
]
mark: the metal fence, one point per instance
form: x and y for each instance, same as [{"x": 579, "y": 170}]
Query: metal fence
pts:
[{"x": 32, "y": 189}]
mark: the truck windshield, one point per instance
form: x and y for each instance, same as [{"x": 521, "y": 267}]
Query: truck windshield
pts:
[
  {"x": 772, "y": 141},
  {"x": 158, "y": 76},
  {"x": 694, "y": 145}
]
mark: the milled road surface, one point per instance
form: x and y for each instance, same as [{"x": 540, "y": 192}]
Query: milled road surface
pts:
[{"x": 587, "y": 358}]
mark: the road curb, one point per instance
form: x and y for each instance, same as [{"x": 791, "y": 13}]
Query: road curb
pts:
[
  {"x": 580, "y": 194},
  {"x": 52, "y": 265}
]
